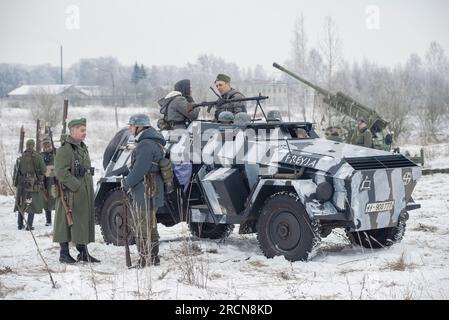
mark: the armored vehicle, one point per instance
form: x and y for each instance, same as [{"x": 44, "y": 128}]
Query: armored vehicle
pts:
[{"x": 276, "y": 179}]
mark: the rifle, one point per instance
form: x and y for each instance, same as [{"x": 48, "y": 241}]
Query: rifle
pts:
[
  {"x": 59, "y": 186},
  {"x": 125, "y": 227},
  {"x": 226, "y": 101},
  {"x": 38, "y": 135},
  {"x": 17, "y": 165},
  {"x": 68, "y": 211},
  {"x": 65, "y": 112},
  {"x": 22, "y": 139}
]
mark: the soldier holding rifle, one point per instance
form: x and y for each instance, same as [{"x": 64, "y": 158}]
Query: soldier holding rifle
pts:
[
  {"x": 147, "y": 187},
  {"x": 29, "y": 181},
  {"x": 76, "y": 195}
]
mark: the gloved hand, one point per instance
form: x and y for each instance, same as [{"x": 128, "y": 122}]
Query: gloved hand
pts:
[{"x": 189, "y": 107}]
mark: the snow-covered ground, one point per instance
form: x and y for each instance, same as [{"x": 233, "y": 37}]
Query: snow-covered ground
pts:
[{"x": 236, "y": 268}]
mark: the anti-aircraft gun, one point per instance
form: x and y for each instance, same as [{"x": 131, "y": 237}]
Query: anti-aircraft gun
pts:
[{"x": 351, "y": 108}]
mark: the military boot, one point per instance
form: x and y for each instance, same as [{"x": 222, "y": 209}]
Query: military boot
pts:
[
  {"x": 155, "y": 260},
  {"x": 64, "y": 254},
  {"x": 30, "y": 221},
  {"x": 48, "y": 217},
  {"x": 20, "y": 221},
  {"x": 84, "y": 254}
]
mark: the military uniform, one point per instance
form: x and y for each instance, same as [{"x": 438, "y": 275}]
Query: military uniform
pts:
[
  {"x": 174, "y": 106},
  {"x": 364, "y": 138},
  {"x": 49, "y": 183},
  {"x": 380, "y": 140},
  {"x": 73, "y": 171},
  {"x": 234, "y": 107},
  {"x": 29, "y": 180},
  {"x": 146, "y": 185}
]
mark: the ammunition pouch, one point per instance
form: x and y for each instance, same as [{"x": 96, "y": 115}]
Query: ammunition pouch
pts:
[
  {"x": 80, "y": 171},
  {"x": 32, "y": 183},
  {"x": 28, "y": 182},
  {"x": 166, "y": 169}
]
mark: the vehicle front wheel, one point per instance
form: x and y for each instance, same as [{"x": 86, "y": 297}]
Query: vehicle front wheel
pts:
[
  {"x": 112, "y": 220},
  {"x": 285, "y": 228}
]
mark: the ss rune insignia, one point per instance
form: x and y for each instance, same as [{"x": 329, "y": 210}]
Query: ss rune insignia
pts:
[
  {"x": 407, "y": 178},
  {"x": 366, "y": 184}
]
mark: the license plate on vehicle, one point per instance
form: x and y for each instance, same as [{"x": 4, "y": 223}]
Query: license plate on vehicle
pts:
[{"x": 379, "y": 206}]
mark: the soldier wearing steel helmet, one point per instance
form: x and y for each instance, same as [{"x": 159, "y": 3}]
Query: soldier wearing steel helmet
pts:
[
  {"x": 274, "y": 116},
  {"x": 145, "y": 183},
  {"x": 242, "y": 118},
  {"x": 226, "y": 117}
]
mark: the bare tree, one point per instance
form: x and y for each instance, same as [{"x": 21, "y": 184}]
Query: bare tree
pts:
[
  {"x": 47, "y": 107},
  {"x": 436, "y": 104},
  {"x": 299, "y": 57},
  {"x": 330, "y": 47}
]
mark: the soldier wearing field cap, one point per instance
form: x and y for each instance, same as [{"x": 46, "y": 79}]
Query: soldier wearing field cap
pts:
[
  {"x": 30, "y": 169},
  {"x": 223, "y": 85},
  {"x": 48, "y": 154},
  {"x": 74, "y": 172},
  {"x": 364, "y": 136}
]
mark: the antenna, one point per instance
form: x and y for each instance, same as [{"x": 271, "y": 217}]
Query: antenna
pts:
[{"x": 291, "y": 155}]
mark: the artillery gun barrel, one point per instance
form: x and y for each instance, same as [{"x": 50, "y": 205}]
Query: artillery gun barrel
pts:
[{"x": 317, "y": 88}]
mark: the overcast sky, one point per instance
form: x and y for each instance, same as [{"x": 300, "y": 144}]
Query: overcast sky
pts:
[{"x": 247, "y": 32}]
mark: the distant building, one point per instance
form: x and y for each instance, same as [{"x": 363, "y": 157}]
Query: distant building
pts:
[{"x": 78, "y": 95}]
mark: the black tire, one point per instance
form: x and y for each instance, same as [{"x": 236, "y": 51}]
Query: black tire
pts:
[
  {"x": 210, "y": 230},
  {"x": 284, "y": 228},
  {"x": 111, "y": 220},
  {"x": 379, "y": 238}
]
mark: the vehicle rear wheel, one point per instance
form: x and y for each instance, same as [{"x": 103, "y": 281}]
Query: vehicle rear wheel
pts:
[
  {"x": 285, "y": 228},
  {"x": 380, "y": 238},
  {"x": 112, "y": 220},
  {"x": 210, "y": 230}
]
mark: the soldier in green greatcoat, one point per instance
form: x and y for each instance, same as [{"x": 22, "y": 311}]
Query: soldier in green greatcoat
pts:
[
  {"x": 29, "y": 181},
  {"x": 49, "y": 185},
  {"x": 364, "y": 136},
  {"x": 74, "y": 172}
]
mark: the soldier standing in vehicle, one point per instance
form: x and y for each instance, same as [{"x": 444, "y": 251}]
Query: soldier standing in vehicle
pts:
[
  {"x": 223, "y": 85},
  {"x": 364, "y": 136},
  {"x": 49, "y": 184},
  {"x": 146, "y": 185},
  {"x": 177, "y": 106},
  {"x": 74, "y": 173},
  {"x": 30, "y": 173}
]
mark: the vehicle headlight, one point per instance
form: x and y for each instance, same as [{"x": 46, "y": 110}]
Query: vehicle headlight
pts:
[{"x": 324, "y": 191}]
